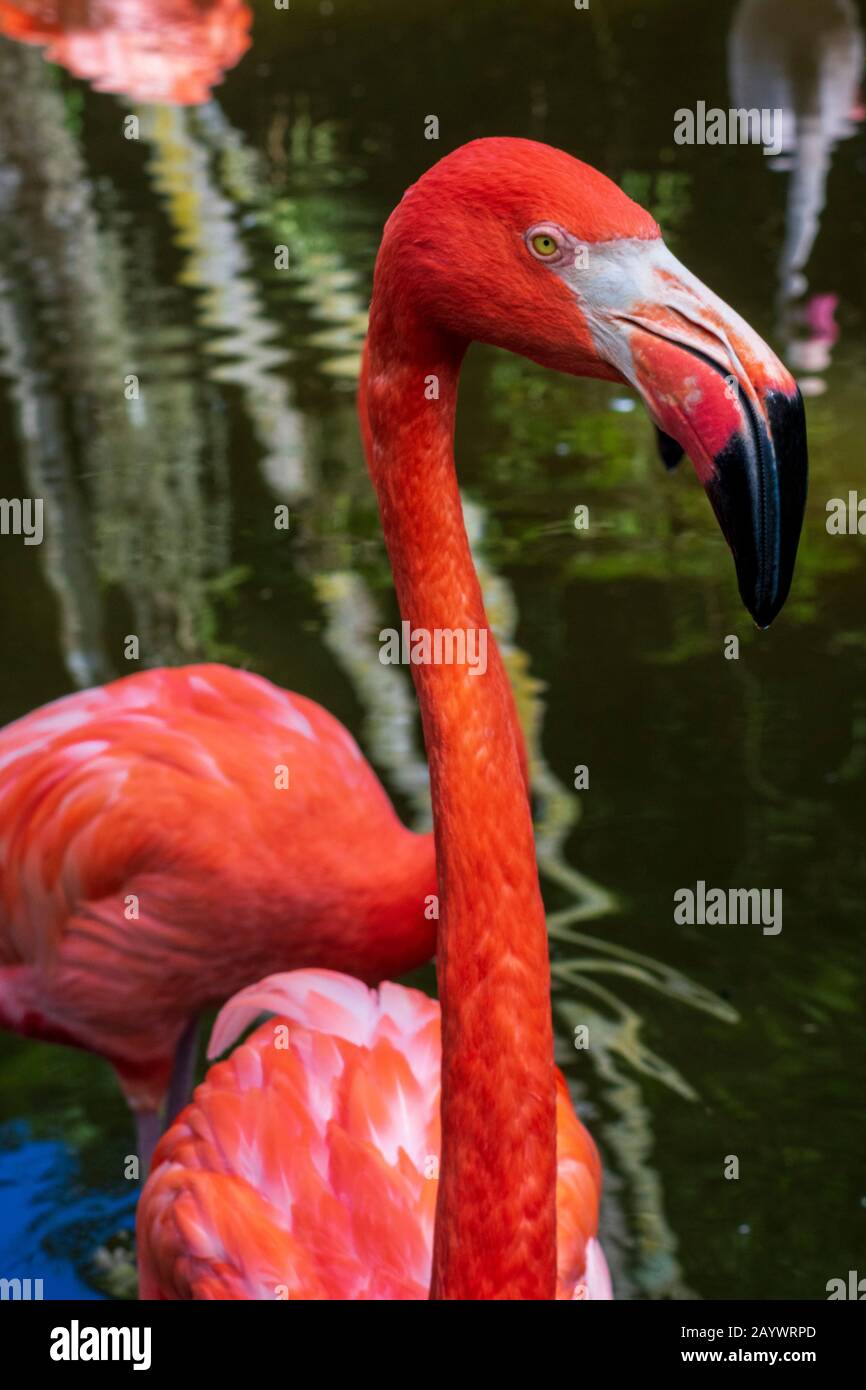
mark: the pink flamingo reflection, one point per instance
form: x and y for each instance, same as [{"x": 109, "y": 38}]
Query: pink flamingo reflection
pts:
[
  {"x": 171, "y": 51},
  {"x": 805, "y": 59}
]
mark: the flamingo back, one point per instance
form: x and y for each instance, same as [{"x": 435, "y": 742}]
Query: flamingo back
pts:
[
  {"x": 306, "y": 1166},
  {"x": 152, "y": 863}
]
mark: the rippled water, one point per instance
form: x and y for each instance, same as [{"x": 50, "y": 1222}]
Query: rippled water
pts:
[{"x": 155, "y": 257}]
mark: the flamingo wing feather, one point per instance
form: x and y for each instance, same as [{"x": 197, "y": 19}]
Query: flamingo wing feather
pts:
[{"x": 328, "y": 1118}]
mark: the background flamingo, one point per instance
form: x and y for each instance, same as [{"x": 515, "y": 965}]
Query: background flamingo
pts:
[
  {"x": 150, "y": 865},
  {"x": 306, "y": 1164},
  {"x": 150, "y": 50}
]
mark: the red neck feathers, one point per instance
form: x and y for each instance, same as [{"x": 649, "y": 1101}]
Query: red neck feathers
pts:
[{"x": 496, "y": 1218}]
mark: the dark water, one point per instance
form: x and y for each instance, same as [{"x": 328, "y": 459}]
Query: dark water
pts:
[{"x": 155, "y": 257}]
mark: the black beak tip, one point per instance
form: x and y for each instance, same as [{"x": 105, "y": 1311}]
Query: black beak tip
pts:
[
  {"x": 764, "y": 613},
  {"x": 763, "y": 600},
  {"x": 764, "y": 604},
  {"x": 759, "y": 494}
]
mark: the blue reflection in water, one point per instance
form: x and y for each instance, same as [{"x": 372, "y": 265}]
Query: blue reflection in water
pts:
[{"x": 51, "y": 1223}]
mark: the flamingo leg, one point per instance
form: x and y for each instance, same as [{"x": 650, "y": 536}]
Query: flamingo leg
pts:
[
  {"x": 148, "y": 1127},
  {"x": 183, "y": 1072}
]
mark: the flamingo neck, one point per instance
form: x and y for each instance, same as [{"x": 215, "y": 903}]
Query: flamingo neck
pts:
[{"x": 495, "y": 1234}]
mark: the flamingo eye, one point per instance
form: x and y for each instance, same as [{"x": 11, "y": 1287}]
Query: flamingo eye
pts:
[
  {"x": 545, "y": 241},
  {"x": 544, "y": 245}
]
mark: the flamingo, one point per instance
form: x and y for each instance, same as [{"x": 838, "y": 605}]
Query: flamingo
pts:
[
  {"x": 169, "y": 838},
  {"x": 804, "y": 62},
  {"x": 343, "y": 1151},
  {"x": 151, "y": 50}
]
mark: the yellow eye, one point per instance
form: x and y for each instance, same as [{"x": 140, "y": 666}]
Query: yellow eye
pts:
[{"x": 544, "y": 245}]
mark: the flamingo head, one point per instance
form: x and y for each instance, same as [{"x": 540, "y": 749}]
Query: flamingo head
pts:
[{"x": 517, "y": 244}]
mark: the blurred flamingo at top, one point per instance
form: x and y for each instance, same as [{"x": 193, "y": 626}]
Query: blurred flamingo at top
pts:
[
  {"x": 805, "y": 61},
  {"x": 171, "y": 51},
  {"x": 153, "y": 862},
  {"x": 306, "y": 1165}
]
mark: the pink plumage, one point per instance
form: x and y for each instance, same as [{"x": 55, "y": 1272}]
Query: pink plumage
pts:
[
  {"x": 153, "y": 861},
  {"x": 306, "y": 1166}
]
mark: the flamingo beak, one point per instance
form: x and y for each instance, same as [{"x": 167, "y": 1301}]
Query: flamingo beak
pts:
[{"x": 717, "y": 392}]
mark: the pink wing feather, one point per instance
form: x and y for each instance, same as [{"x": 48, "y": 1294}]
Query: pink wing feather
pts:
[{"x": 306, "y": 1166}]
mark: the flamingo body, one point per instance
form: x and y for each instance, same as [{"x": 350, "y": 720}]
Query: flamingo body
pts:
[
  {"x": 306, "y": 1166},
  {"x": 150, "y": 865}
]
